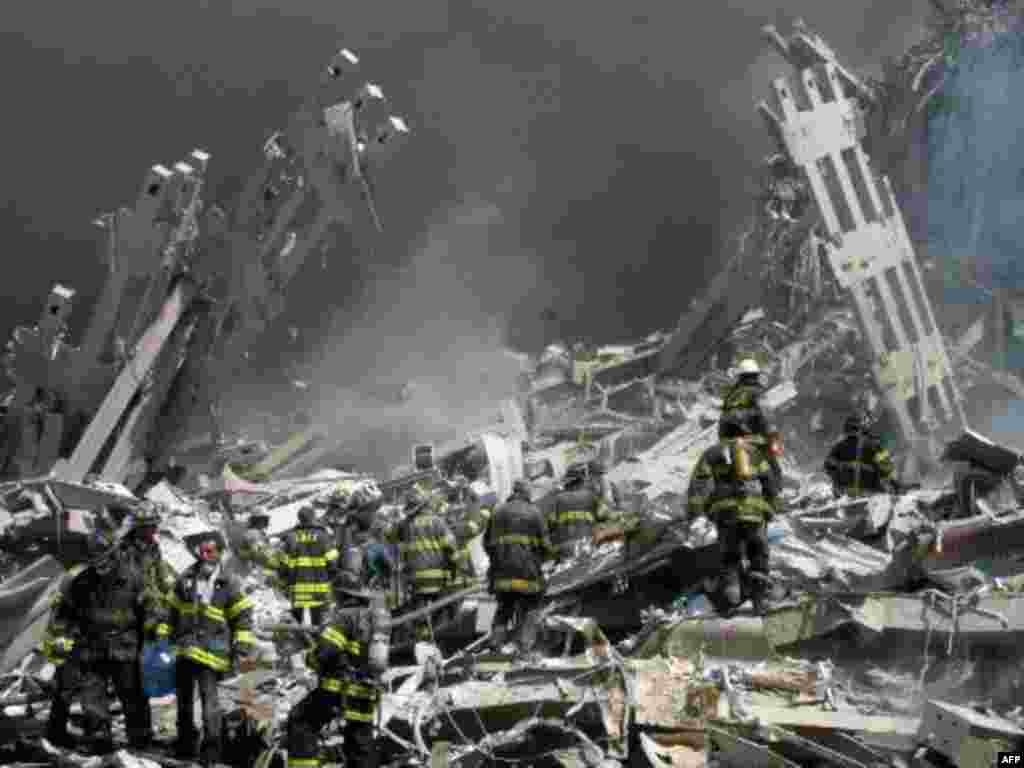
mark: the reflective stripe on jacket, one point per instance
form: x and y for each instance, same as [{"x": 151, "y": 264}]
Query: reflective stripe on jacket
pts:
[
  {"x": 571, "y": 515},
  {"x": 99, "y": 617},
  {"x": 472, "y": 521},
  {"x": 858, "y": 464},
  {"x": 741, "y": 406},
  {"x": 210, "y": 633},
  {"x": 427, "y": 549},
  {"x": 61, "y": 630},
  {"x": 340, "y": 660},
  {"x": 308, "y": 561},
  {"x": 517, "y": 542},
  {"x": 716, "y": 490},
  {"x": 158, "y": 579}
]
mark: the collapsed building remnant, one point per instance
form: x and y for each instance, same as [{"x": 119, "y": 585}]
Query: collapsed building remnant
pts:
[
  {"x": 188, "y": 289},
  {"x": 896, "y": 631},
  {"x": 869, "y": 250}
]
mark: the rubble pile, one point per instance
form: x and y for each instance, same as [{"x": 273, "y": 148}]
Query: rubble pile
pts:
[{"x": 896, "y": 622}]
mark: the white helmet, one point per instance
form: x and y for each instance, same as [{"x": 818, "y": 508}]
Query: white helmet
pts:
[{"x": 748, "y": 366}]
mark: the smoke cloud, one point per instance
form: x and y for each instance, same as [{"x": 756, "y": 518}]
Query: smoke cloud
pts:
[{"x": 597, "y": 156}]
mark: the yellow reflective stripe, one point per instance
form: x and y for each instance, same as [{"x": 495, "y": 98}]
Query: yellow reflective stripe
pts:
[
  {"x": 355, "y": 647},
  {"x": 307, "y": 562},
  {"x": 331, "y": 555},
  {"x": 360, "y": 691},
  {"x": 245, "y": 636},
  {"x": 335, "y": 638},
  {"x": 362, "y": 717},
  {"x": 574, "y": 516},
  {"x": 181, "y": 605},
  {"x": 519, "y": 538},
  {"x": 332, "y": 684},
  {"x": 425, "y": 544},
  {"x": 213, "y": 613},
  {"x": 303, "y": 762},
  {"x": 218, "y": 663},
  {"x": 516, "y": 585},
  {"x": 163, "y": 630},
  {"x": 239, "y": 605},
  {"x": 431, "y": 573},
  {"x": 311, "y": 588}
]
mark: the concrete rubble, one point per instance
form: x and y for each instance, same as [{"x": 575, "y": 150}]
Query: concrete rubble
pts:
[{"x": 897, "y": 622}]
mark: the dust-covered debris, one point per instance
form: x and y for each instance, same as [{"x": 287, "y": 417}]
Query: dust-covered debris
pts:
[{"x": 895, "y": 623}]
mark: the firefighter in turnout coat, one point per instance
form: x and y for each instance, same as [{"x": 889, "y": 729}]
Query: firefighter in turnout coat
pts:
[
  {"x": 427, "y": 551},
  {"x": 469, "y": 520},
  {"x": 308, "y": 563},
  {"x": 573, "y": 511},
  {"x": 741, "y": 409},
  {"x": 858, "y": 464},
  {"x": 517, "y": 542},
  {"x": 210, "y": 622},
  {"x": 734, "y": 485},
  {"x": 350, "y": 654},
  {"x": 94, "y": 637},
  {"x": 141, "y": 544}
]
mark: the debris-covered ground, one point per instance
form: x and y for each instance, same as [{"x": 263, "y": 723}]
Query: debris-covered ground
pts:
[{"x": 896, "y": 621}]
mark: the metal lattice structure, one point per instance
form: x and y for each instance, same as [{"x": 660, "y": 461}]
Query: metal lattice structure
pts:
[{"x": 870, "y": 253}]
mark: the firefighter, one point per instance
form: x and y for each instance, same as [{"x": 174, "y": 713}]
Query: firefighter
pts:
[
  {"x": 256, "y": 547},
  {"x": 58, "y": 644},
  {"x": 94, "y": 635},
  {"x": 518, "y": 542},
  {"x": 470, "y": 520},
  {"x": 574, "y": 510},
  {"x": 210, "y": 621},
  {"x": 741, "y": 403},
  {"x": 427, "y": 551},
  {"x": 141, "y": 544},
  {"x": 734, "y": 485},
  {"x": 350, "y": 655},
  {"x": 308, "y": 562},
  {"x": 742, "y": 413},
  {"x": 858, "y": 464},
  {"x": 354, "y": 533}
]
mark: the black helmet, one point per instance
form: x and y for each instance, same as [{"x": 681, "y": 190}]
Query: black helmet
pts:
[{"x": 307, "y": 515}]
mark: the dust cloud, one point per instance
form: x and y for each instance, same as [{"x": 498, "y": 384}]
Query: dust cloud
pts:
[{"x": 420, "y": 358}]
